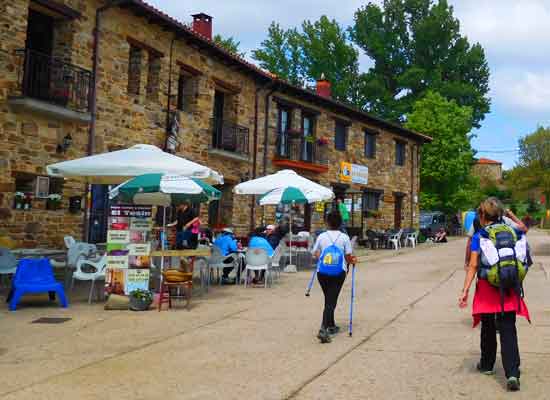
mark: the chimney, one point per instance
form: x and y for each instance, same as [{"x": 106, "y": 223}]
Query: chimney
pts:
[
  {"x": 202, "y": 24},
  {"x": 323, "y": 87}
]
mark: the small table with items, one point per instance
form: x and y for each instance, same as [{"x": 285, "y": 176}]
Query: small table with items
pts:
[{"x": 165, "y": 296}]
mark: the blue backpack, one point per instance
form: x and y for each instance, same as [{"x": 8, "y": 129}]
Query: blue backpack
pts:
[{"x": 331, "y": 261}]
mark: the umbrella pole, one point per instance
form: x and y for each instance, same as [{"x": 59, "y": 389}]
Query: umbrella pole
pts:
[
  {"x": 162, "y": 240},
  {"x": 290, "y": 233}
]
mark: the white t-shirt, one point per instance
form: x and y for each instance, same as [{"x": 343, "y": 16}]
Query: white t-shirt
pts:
[{"x": 326, "y": 239}]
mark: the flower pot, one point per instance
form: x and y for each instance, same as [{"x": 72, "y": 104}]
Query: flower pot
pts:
[{"x": 139, "y": 304}]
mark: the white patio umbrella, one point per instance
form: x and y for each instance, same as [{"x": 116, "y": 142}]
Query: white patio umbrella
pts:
[
  {"x": 286, "y": 187},
  {"x": 121, "y": 165}
]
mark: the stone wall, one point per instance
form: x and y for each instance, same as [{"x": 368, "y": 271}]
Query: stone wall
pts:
[
  {"x": 29, "y": 141},
  {"x": 488, "y": 173}
]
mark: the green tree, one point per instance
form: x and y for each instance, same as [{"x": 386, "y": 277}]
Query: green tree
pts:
[
  {"x": 416, "y": 46},
  {"x": 302, "y": 56},
  {"x": 533, "y": 169},
  {"x": 445, "y": 178},
  {"x": 281, "y": 54},
  {"x": 230, "y": 44}
]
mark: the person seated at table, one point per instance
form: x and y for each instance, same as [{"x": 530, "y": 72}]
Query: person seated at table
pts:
[
  {"x": 441, "y": 236},
  {"x": 258, "y": 241},
  {"x": 227, "y": 244},
  {"x": 273, "y": 235}
]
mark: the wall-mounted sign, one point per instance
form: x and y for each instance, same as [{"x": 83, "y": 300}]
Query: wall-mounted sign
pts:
[{"x": 354, "y": 173}]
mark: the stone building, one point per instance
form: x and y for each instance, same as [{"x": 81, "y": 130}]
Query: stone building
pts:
[
  {"x": 488, "y": 171},
  {"x": 84, "y": 76}
]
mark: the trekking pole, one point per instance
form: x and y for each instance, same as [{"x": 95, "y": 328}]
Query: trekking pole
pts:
[
  {"x": 310, "y": 284},
  {"x": 352, "y": 299}
]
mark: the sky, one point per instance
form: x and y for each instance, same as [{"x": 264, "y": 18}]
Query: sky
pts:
[{"x": 514, "y": 33}]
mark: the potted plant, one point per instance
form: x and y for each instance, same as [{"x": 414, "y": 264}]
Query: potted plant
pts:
[
  {"x": 19, "y": 200},
  {"x": 140, "y": 300},
  {"x": 27, "y": 202},
  {"x": 53, "y": 202},
  {"x": 322, "y": 141}
]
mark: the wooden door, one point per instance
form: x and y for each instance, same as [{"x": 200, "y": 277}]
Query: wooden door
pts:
[{"x": 398, "y": 211}]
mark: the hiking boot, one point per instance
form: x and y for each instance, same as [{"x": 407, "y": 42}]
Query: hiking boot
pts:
[
  {"x": 484, "y": 371},
  {"x": 333, "y": 330},
  {"x": 512, "y": 384},
  {"x": 324, "y": 336}
]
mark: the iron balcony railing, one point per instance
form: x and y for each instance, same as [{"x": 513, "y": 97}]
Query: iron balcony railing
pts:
[
  {"x": 301, "y": 149},
  {"x": 52, "y": 80},
  {"x": 229, "y": 136}
]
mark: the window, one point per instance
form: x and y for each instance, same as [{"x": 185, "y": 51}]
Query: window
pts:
[
  {"x": 186, "y": 92},
  {"x": 134, "y": 71},
  {"x": 38, "y": 186},
  {"x": 370, "y": 144},
  {"x": 284, "y": 120},
  {"x": 400, "y": 148},
  {"x": 371, "y": 199},
  {"x": 153, "y": 77},
  {"x": 340, "y": 138}
]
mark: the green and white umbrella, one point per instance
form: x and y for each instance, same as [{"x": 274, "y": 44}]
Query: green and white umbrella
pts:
[
  {"x": 294, "y": 195},
  {"x": 164, "y": 190}
]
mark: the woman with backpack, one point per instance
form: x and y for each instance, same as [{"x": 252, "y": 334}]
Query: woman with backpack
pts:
[
  {"x": 494, "y": 305},
  {"x": 333, "y": 250}
]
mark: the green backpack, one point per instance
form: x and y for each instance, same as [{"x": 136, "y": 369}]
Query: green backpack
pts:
[{"x": 503, "y": 257}]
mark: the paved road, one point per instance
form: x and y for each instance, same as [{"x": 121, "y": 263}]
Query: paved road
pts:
[{"x": 410, "y": 342}]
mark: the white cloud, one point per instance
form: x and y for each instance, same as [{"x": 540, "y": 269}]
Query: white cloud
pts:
[
  {"x": 522, "y": 91},
  {"x": 511, "y": 31}
]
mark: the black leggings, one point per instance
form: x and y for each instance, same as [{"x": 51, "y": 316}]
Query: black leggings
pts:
[
  {"x": 508, "y": 342},
  {"x": 331, "y": 286}
]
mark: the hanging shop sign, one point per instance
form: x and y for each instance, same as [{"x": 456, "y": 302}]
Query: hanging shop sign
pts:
[{"x": 353, "y": 173}]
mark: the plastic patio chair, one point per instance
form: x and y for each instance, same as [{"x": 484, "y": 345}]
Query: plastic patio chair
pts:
[
  {"x": 395, "y": 239},
  {"x": 8, "y": 263},
  {"x": 276, "y": 260},
  {"x": 216, "y": 262},
  {"x": 257, "y": 260},
  {"x": 94, "y": 272},
  {"x": 411, "y": 238},
  {"x": 35, "y": 276},
  {"x": 69, "y": 241}
]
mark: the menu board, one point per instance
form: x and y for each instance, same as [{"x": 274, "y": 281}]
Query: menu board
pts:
[{"x": 128, "y": 249}]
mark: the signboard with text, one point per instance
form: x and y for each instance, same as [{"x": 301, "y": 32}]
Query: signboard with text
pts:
[{"x": 354, "y": 173}]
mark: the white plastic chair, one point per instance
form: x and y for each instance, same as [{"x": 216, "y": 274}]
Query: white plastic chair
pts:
[
  {"x": 216, "y": 262},
  {"x": 97, "y": 272},
  {"x": 276, "y": 260},
  {"x": 257, "y": 260},
  {"x": 69, "y": 241},
  {"x": 411, "y": 238},
  {"x": 395, "y": 239}
]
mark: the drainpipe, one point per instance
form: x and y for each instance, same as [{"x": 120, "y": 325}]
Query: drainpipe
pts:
[
  {"x": 272, "y": 88},
  {"x": 93, "y": 103},
  {"x": 255, "y": 147},
  {"x": 168, "y": 105}
]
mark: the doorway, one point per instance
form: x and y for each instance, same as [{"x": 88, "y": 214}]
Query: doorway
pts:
[
  {"x": 398, "y": 209},
  {"x": 99, "y": 213},
  {"x": 219, "y": 105}
]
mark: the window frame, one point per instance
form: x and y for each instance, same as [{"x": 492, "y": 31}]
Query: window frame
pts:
[
  {"x": 377, "y": 196},
  {"x": 370, "y": 144},
  {"x": 345, "y": 126},
  {"x": 400, "y": 153}
]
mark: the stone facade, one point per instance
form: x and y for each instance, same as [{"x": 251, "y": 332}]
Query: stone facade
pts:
[
  {"x": 134, "y": 53},
  {"x": 488, "y": 171}
]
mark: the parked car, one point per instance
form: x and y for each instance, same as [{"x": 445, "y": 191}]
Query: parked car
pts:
[{"x": 431, "y": 221}]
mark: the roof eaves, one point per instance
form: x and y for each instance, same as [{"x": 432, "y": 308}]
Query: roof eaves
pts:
[{"x": 264, "y": 75}]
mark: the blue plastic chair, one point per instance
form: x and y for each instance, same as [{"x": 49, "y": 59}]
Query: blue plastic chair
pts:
[{"x": 35, "y": 276}]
